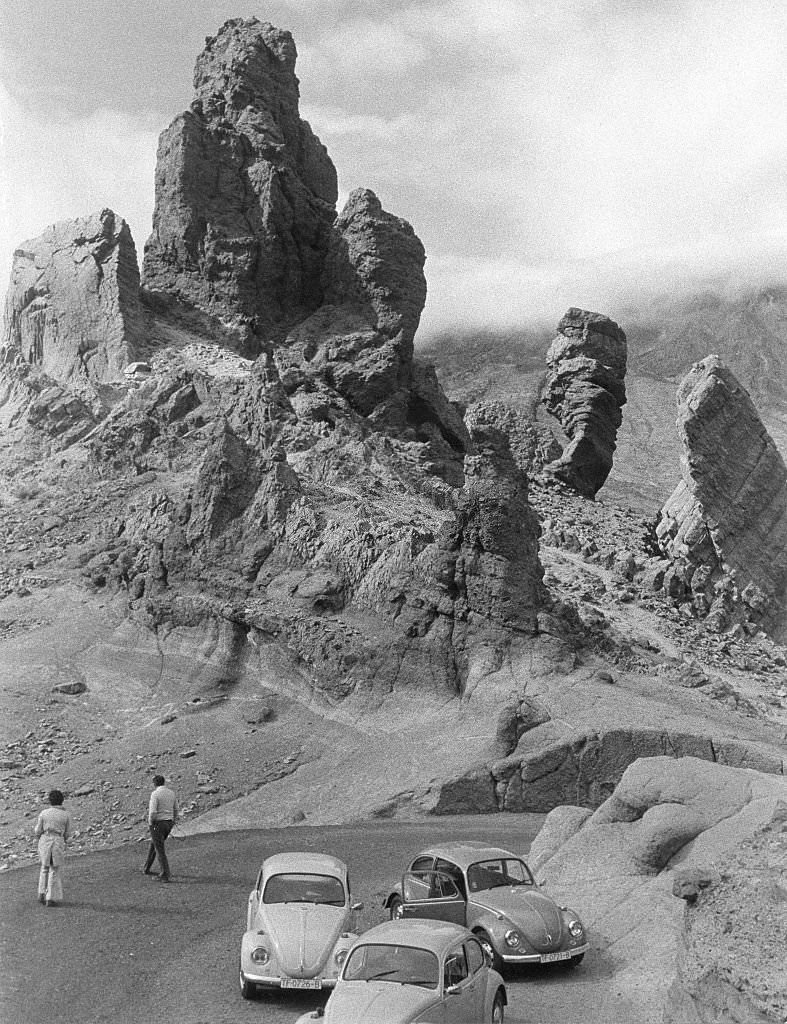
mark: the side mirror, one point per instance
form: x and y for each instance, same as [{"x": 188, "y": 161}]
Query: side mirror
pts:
[{"x": 357, "y": 906}]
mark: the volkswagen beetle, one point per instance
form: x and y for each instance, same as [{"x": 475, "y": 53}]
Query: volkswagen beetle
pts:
[
  {"x": 493, "y": 893},
  {"x": 400, "y": 972},
  {"x": 298, "y": 924}
]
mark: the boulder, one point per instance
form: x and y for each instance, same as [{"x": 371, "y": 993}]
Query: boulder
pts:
[
  {"x": 725, "y": 525},
  {"x": 674, "y": 831},
  {"x": 245, "y": 192},
  {"x": 72, "y": 309},
  {"x": 585, "y": 392}
]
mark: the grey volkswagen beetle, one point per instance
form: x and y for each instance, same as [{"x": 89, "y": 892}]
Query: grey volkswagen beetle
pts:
[
  {"x": 401, "y": 972},
  {"x": 492, "y": 892}
]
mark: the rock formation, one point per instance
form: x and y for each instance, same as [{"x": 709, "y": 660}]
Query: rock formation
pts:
[
  {"x": 245, "y": 192},
  {"x": 72, "y": 310},
  {"x": 585, "y": 391},
  {"x": 654, "y": 842},
  {"x": 725, "y": 525}
]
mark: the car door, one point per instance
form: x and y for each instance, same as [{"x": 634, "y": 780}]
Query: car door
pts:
[
  {"x": 254, "y": 902},
  {"x": 433, "y": 895},
  {"x": 478, "y": 974},
  {"x": 459, "y": 989}
]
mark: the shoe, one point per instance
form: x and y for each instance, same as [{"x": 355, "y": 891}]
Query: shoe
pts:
[
  {"x": 41, "y": 898},
  {"x": 51, "y": 903},
  {"x": 163, "y": 878},
  {"x": 146, "y": 871}
]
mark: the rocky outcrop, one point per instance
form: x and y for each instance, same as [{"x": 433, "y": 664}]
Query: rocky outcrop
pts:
[
  {"x": 245, "y": 192},
  {"x": 585, "y": 391},
  {"x": 725, "y": 525},
  {"x": 72, "y": 310},
  {"x": 621, "y": 865}
]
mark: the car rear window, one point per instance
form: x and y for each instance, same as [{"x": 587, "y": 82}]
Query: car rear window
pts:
[{"x": 304, "y": 888}]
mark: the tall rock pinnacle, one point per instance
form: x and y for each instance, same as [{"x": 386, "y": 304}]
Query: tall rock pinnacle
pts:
[
  {"x": 726, "y": 522},
  {"x": 245, "y": 192},
  {"x": 585, "y": 391}
]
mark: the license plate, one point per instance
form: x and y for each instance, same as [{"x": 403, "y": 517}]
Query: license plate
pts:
[
  {"x": 301, "y": 983},
  {"x": 550, "y": 958}
]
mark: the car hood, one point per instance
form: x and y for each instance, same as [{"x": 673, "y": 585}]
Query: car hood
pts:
[
  {"x": 378, "y": 1002},
  {"x": 302, "y": 934},
  {"x": 535, "y": 914}
]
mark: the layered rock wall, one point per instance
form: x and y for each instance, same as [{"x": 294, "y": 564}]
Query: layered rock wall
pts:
[
  {"x": 585, "y": 392},
  {"x": 725, "y": 525},
  {"x": 72, "y": 308}
]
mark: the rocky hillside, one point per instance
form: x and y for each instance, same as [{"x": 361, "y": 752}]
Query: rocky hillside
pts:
[{"x": 251, "y": 542}]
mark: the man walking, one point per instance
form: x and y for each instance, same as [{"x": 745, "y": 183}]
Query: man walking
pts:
[{"x": 162, "y": 818}]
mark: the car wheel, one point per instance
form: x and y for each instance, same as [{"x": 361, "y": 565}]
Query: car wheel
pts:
[
  {"x": 492, "y": 955},
  {"x": 575, "y": 961},
  {"x": 247, "y": 988},
  {"x": 396, "y": 909},
  {"x": 498, "y": 1008}
]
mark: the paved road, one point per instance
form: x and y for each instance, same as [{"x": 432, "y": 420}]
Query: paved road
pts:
[{"x": 125, "y": 949}]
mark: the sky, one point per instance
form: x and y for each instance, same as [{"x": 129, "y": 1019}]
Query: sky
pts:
[{"x": 548, "y": 153}]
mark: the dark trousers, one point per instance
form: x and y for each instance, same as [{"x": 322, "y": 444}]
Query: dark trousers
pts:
[{"x": 159, "y": 831}]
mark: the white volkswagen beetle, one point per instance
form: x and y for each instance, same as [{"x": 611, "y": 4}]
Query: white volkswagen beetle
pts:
[
  {"x": 403, "y": 972},
  {"x": 298, "y": 924}
]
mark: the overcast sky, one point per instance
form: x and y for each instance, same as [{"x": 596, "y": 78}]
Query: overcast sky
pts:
[{"x": 547, "y": 152}]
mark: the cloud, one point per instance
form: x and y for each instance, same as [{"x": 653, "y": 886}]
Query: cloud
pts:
[{"x": 63, "y": 167}]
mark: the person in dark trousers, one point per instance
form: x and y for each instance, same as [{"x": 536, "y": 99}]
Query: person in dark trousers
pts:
[{"x": 162, "y": 818}]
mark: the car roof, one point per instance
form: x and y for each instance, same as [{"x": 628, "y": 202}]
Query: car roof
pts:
[
  {"x": 435, "y": 936},
  {"x": 466, "y": 853},
  {"x": 304, "y": 863}
]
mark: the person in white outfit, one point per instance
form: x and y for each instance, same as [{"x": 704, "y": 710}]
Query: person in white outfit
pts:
[{"x": 53, "y": 829}]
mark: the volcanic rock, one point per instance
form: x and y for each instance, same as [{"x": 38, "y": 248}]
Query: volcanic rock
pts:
[
  {"x": 245, "y": 192},
  {"x": 669, "y": 820},
  {"x": 585, "y": 391},
  {"x": 725, "y": 525},
  {"x": 73, "y": 310}
]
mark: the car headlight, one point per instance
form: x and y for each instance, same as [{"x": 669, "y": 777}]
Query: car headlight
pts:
[
  {"x": 340, "y": 956},
  {"x": 575, "y": 927},
  {"x": 513, "y": 939},
  {"x": 260, "y": 955}
]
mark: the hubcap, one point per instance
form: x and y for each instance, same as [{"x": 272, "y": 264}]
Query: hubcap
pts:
[
  {"x": 497, "y": 1013},
  {"x": 397, "y": 912}
]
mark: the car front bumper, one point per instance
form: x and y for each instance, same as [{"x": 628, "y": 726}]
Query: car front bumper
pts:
[
  {"x": 277, "y": 981},
  {"x": 545, "y": 958}
]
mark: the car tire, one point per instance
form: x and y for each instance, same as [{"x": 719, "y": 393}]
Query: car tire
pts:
[
  {"x": 498, "y": 1008},
  {"x": 396, "y": 909},
  {"x": 247, "y": 988},
  {"x": 495, "y": 960},
  {"x": 575, "y": 961}
]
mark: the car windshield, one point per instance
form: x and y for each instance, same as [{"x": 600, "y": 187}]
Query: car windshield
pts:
[
  {"x": 403, "y": 965},
  {"x": 303, "y": 888},
  {"x": 488, "y": 874}
]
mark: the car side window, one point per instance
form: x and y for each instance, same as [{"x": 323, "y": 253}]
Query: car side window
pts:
[
  {"x": 454, "y": 872},
  {"x": 475, "y": 956},
  {"x": 455, "y": 967},
  {"x": 422, "y": 864}
]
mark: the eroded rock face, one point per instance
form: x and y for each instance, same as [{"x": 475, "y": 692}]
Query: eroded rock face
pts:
[
  {"x": 72, "y": 309},
  {"x": 245, "y": 192},
  {"x": 725, "y": 525},
  {"x": 666, "y": 820},
  {"x": 585, "y": 391}
]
